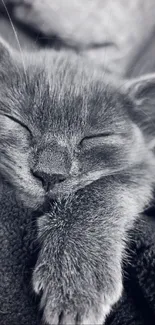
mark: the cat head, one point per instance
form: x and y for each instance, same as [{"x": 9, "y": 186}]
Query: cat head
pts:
[{"x": 64, "y": 125}]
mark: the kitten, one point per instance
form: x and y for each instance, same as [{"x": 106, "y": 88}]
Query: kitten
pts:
[{"x": 82, "y": 146}]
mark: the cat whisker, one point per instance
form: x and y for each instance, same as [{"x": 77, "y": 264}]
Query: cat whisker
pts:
[{"x": 16, "y": 37}]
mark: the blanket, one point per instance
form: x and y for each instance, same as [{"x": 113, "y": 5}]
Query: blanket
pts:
[
  {"x": 108, "y": 32},
  {"x": 137, "y": 306},
  {"x": 111, "y": 33}
]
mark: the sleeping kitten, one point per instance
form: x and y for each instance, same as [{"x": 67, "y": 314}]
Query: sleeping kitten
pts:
[{"x": 73, "y": 141}]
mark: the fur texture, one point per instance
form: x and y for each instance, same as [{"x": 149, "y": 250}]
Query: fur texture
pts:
[{"x": 71, "y": 143}]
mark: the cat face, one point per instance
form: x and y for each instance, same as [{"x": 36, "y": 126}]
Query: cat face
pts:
[{"x": 62, "y": 127}]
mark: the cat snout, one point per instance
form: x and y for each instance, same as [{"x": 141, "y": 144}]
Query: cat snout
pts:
[{"x": 49, "y": 181}]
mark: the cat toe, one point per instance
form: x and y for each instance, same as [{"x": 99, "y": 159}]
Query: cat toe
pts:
[
  {"x": 63, "y": 318},
  {"x": 38, "y": 280}
]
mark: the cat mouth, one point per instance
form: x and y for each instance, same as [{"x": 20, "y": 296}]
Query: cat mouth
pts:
[
  {"x": 69, "y": 186},
  {"x": 73, "y": 184},
  {"x": 65, "y": 188}
]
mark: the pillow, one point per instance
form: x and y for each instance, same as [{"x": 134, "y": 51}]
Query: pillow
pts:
[{"x": 109, "y": 32}]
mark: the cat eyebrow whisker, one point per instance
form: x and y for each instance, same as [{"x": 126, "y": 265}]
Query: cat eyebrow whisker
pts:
[{"x": 16, "y": 37}]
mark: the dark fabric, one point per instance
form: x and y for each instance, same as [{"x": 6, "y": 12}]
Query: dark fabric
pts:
[
  {"x": 137, "y": 306},
  {"x": 18, "y": 305}
]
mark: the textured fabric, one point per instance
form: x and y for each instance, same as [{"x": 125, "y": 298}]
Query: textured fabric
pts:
[
  {"x": 110, "y": 32},
  {"x": 137, "y": 306},
  {"x": 18, "y": 306}
]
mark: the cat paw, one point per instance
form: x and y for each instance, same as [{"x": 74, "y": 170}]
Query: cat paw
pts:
[
  {"x": 77, "y": 281},
  {"x": 77, "y": 304}
]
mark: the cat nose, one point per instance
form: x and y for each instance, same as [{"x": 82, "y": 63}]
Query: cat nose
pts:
[{"x": 49, "y": 181}]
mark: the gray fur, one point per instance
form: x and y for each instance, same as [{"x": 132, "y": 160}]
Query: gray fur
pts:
[{"x": 70, "y": 138}]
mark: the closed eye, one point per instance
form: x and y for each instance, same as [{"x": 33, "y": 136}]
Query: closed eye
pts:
[
  {"x": 99, "y": 135},
  {"x": 18, "y": 122},
  {"x": 96, "y": 139}
]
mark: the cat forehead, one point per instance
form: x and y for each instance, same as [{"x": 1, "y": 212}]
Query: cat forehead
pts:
[{"x": 60, "y": 92}]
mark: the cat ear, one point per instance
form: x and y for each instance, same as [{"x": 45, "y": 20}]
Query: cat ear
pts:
[{"x": 142, "y": 93}]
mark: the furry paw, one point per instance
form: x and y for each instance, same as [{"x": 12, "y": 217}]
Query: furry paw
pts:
[
  {"x": 68, "y": 298},
  {"x": 77, "y": 278}
]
